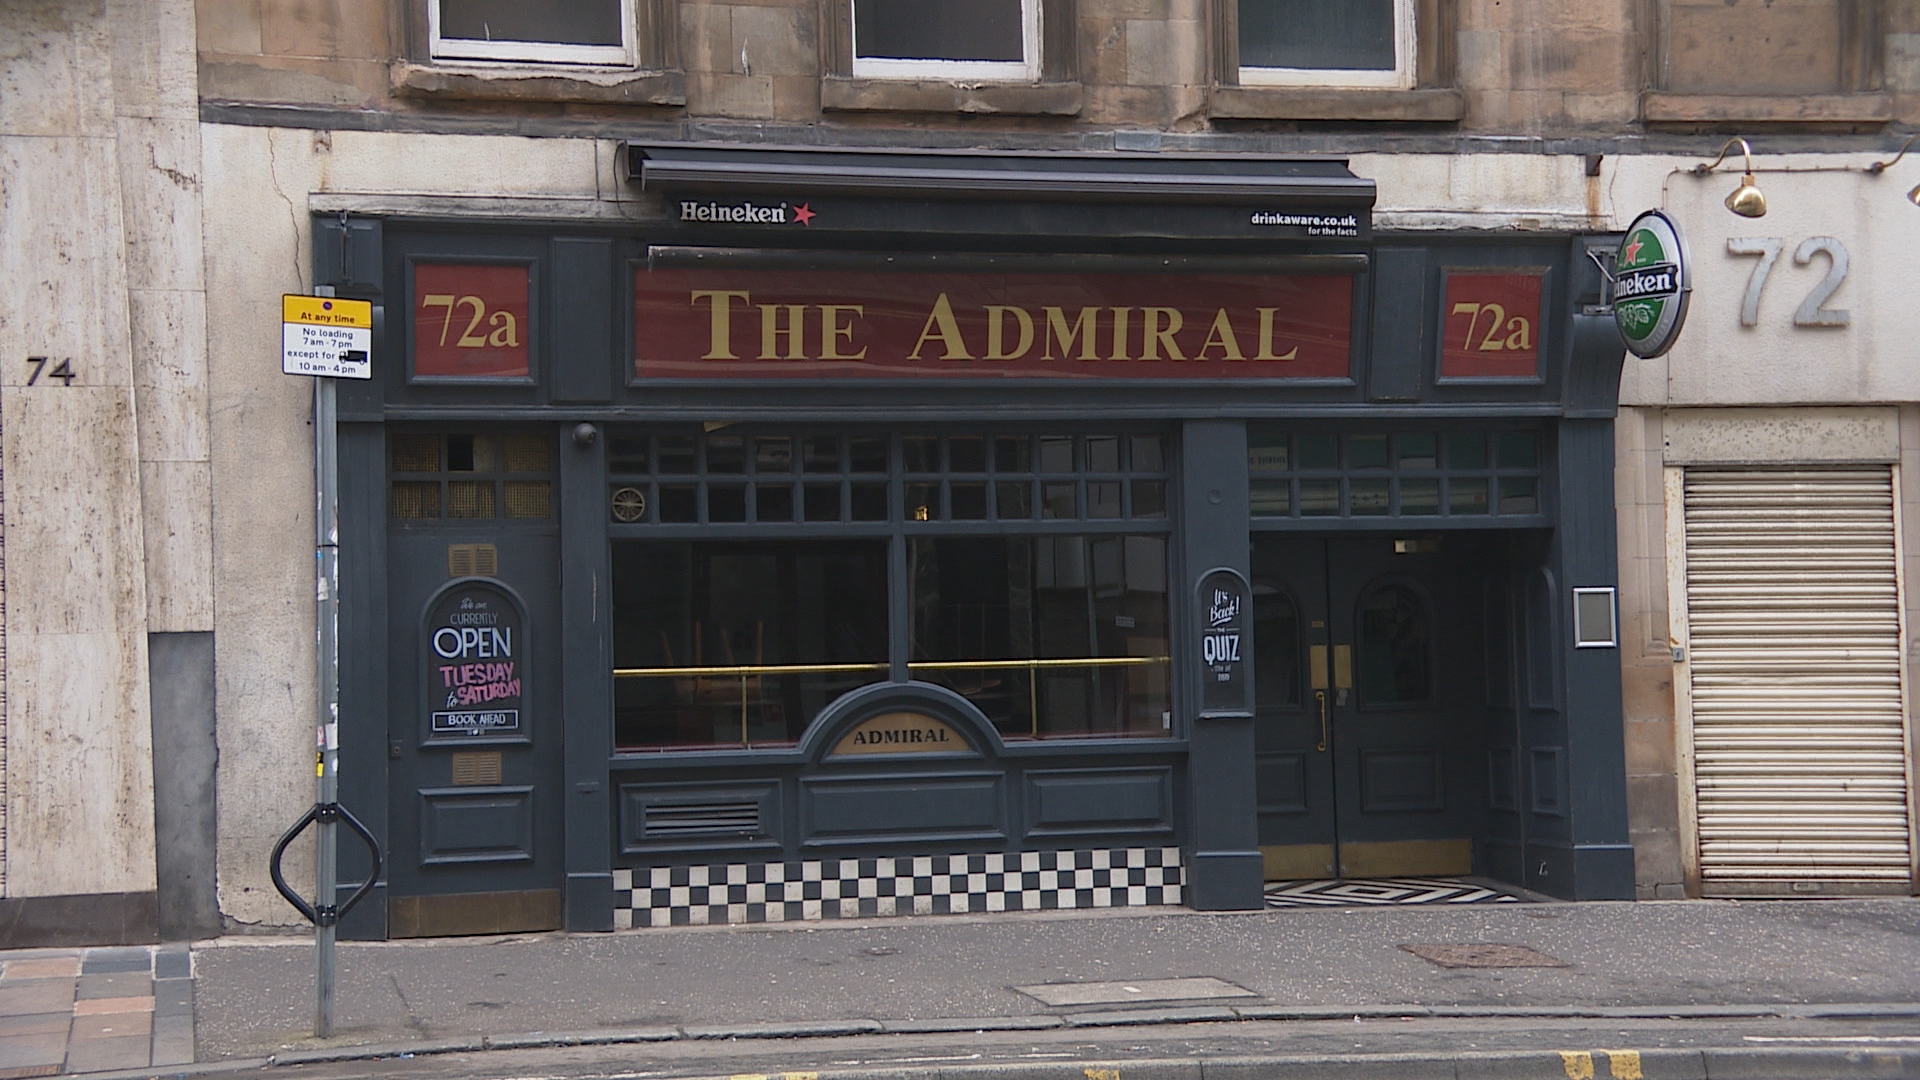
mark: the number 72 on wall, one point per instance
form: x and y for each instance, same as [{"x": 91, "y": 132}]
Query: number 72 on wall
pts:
[{"x": 1812, "y": 311}]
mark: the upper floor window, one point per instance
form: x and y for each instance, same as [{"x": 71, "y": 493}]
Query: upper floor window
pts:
[
  {"x": 967, "y": 39},
  {"x": 1337, "y": 43},
  {"x": 586, "y": 32}
]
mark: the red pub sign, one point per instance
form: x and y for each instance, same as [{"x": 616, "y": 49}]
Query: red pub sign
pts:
[{"x": 784, "y": 324}]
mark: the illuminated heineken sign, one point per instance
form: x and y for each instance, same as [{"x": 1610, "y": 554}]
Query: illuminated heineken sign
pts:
[{"x": 1652, "y": 281}]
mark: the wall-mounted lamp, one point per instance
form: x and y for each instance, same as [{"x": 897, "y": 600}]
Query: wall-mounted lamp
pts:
[
  {"x": 1746, "y": 200},
  {"x": 1879, "y": 167}
]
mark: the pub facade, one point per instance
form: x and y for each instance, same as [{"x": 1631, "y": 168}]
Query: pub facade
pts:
[{"x": 864, "y": 533}]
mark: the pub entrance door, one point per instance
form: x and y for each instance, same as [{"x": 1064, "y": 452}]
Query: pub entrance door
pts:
[{"x": 1369, "y": 733}]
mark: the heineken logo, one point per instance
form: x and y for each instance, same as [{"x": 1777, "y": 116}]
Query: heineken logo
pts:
[{"x": 1652, "y": 282}]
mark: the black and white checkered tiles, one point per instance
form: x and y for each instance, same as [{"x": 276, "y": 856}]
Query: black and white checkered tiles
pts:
[{"x": 909, "y": 885}]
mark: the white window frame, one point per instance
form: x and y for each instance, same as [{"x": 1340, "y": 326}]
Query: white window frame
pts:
[
  {"x": 624, "y": 55},
  {"x": 1027, "y": 70},
  {"x": 1400, "y": 78}
]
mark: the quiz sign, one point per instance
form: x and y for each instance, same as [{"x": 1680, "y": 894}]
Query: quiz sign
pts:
[
  {"x": 704, "y": 324},
  {"x": 325, "y": 335}
]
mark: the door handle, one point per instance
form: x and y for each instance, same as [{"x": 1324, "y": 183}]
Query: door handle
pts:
[{"x": 1321, "y": 697}]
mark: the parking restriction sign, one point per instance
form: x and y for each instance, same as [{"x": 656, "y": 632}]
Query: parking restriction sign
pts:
[{"x": 325, "y": 335}]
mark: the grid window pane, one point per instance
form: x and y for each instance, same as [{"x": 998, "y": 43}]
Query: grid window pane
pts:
[
  {"x": 967, "y": 454},
  {"x": 1421, "y": 451},
  {"x": 470, "y": 453},
  {"x": 1319, "y": 452},
  {"x": 1340, "y": 35},
  {"x": 727, "y": 502},
  {"x": 1013, "y": 501},
  {"x": 1466, "y": 496},
  {"x": 1419, "y": 496},
  {"x": 822, "y": 502},
  {"x": 1516, "y": 450},
  {"x": 1320, "y": 498},
  {"x": 1149, "y": 454},
  {"x": 923, "y": 502},
  {"x": 679, "y": 504},
  {"x": 1149, "y": 498},
  {"x": 938, "y": 30},
  {"x": 1056, "y": 453},
  {"x": 1103, "y": 454},
  {"x": 1272, "y": 498},
  {"x": 773, "y": 454},
  {"x": 1103, "y": 498},
  {"x": 528, "y": 498},
  {"x": 1467, "y": 451},
  {"x": 677, "y": 454},
  {"x": 1057, "y": 501},
  {"x": 726, "y": 454},
  {"x": 1013, "y": 453},
  {"x": 1370, "y": 498},
  {"x": 969, "y": 501},
  {"x": 1519, "y": 496},
  {"x": 867, "y": 455},
  {"x": 416, "y": 500},
  {"x": 627, "y": 455},
  {"x": 1267, "y": 453},
  {"x": 822, "y": 454},
  {"x": 773, "y": 502},
  {"x": 528, "y": 453},
  {"x": 920, "y": 453},
  {"x": 416, "y": 453},
  {"x": 1366, "y": 451},
  {"x": 470, "y": 498},
  {"x": 869, "y": 502}
]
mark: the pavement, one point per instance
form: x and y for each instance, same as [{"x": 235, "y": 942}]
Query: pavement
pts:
[
  {"x": 93, "y": 1010},
  {"x": 1703, "y": 989}
]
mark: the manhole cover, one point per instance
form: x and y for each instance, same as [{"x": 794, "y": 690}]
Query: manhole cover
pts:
[{"x": 1485, "y": 956}]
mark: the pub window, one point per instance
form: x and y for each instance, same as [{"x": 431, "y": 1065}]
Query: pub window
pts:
[
  {"x": 468, "y": 476},
  {"x": 1335, "y": 43},
  {"x": 1395, "y": 655},
  {"x": 581, "y": 32},
  {"x": 980, "y": 39},
  {"x": 1409, "y": 474},
  {"x": 751, "y": 578}
]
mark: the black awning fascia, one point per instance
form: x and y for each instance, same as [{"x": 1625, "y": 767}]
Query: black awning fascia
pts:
[
  {"x": 1031, "y": 176},
  {"x": 673, "y": 256}
]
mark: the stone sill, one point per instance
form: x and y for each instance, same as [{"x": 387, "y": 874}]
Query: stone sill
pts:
[
  {"x": 1320, "y": 103},
  {"x": 1661, "y": 107},
  {"x": 839, "y": 93},
  {"x": 538, "y": 84}
]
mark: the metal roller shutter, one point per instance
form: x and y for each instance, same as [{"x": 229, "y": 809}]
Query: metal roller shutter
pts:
[{"x": 1799, "y": 740}]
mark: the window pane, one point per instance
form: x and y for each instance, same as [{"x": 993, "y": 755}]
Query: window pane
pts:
[
  {"x": 1056, "y": 453},
  {"x": 528, "y": 498},
  {"x": 1466, "y": 496},
  {"x": 1418, "y": 451},
  {"x": 1013, "y": 501},
  {"x": 1149, "y": 454},
  {"x": 1103, "y": 454},
  {"x": 1467, "y": 451},
  {"x": 528, "y": 453},
  {"x": 987, "y": 599},
  {"x": 921, "y": 453},
  {"x": 627, "y": 455},
  {"x": 1320, "y": 498},
  {"x": 1276, "y": 649},
  {"x": 1318, "y": 452},
  {"x": 867, "y": 455},
  {"x": 416, "y": 453},
  {"x": 1103, "y": 498},
  {"x": 1420, "y": 496},
  {"x": 773, "y": 455},
  {"x": 1012, "y": 453},
  {"x": 1519, "y": 496},
  {"x": 938, "y": 29},
  {"x": 1369, "y": 498},
  {"x": 923, "y": 502},
  {"x": 1267, "y": 453},
  {"x": 1343, "y": 35},
  {"x": 470, "y": 498},
  {"x": 773, "y": 502},
  {"x": 869, "y": 502},
  {"x": 1057, "y": 501},
  {"x": 416, "y": 499},
  {"x": 726, "y": 503},
  {"x": 1395, "y": 655},
  {"x": 1149, "y": 498},
  {"x": 563, "y": 22},
  {"x": 969, "y": 501},
  {"x": 822, "y": 455},
  {"x": 1272, "y": 498},
  {"x": 1516, "y": 450},
  {"x": 822, "y": 502},
  {"x": 738, "y": 603},
  {"x": 676, "y": 454},
  {"x": 726, "y": 454},
  {"x": 1366, "y": 451},
  {"x": 679, "y": 504},
  {"x": 967, "y": 453}
]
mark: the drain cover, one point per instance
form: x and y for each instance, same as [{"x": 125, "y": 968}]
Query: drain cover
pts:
[{"x": 1476, "y": 955}]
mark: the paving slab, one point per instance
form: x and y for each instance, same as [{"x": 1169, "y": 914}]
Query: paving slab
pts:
[
  {"x": 111, "y": 1026},
  {"x": 56, "y": 967},
  {"x": 28, "y": 1050},
  {"x": 100, "y": 1055},
  {"x": 36, "y": 996},
  {"x": 115, "y": 985},
  {"x": 35, "y": 1024}
]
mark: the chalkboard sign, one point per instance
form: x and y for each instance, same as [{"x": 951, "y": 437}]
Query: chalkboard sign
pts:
[
  {"x": 1225, "y": 648},
  {"x": 475, "y": 650}
]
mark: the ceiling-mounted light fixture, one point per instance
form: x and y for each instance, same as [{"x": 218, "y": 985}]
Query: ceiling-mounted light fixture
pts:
[
  {"x": 1878, "y": 167},
  {"x": 1746, "y": 200}
]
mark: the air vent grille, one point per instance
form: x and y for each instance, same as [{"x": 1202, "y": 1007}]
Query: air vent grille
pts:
[
  {"x": 473, "y": 560},
  {"x": 687, "y": 819}
]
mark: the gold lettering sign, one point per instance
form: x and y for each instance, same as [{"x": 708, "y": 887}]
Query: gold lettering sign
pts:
[{"x": 902, "y": 733}]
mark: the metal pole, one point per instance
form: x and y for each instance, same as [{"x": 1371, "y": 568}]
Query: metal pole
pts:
[{"x": 326, "y": 530}]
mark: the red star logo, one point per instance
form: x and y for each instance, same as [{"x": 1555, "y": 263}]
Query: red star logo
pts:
[
  {"x": 803, "y": 215},
  {"x": 1632, "y": 250}
]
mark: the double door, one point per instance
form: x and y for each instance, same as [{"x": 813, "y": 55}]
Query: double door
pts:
[{"x": 1369, "y": 739}]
